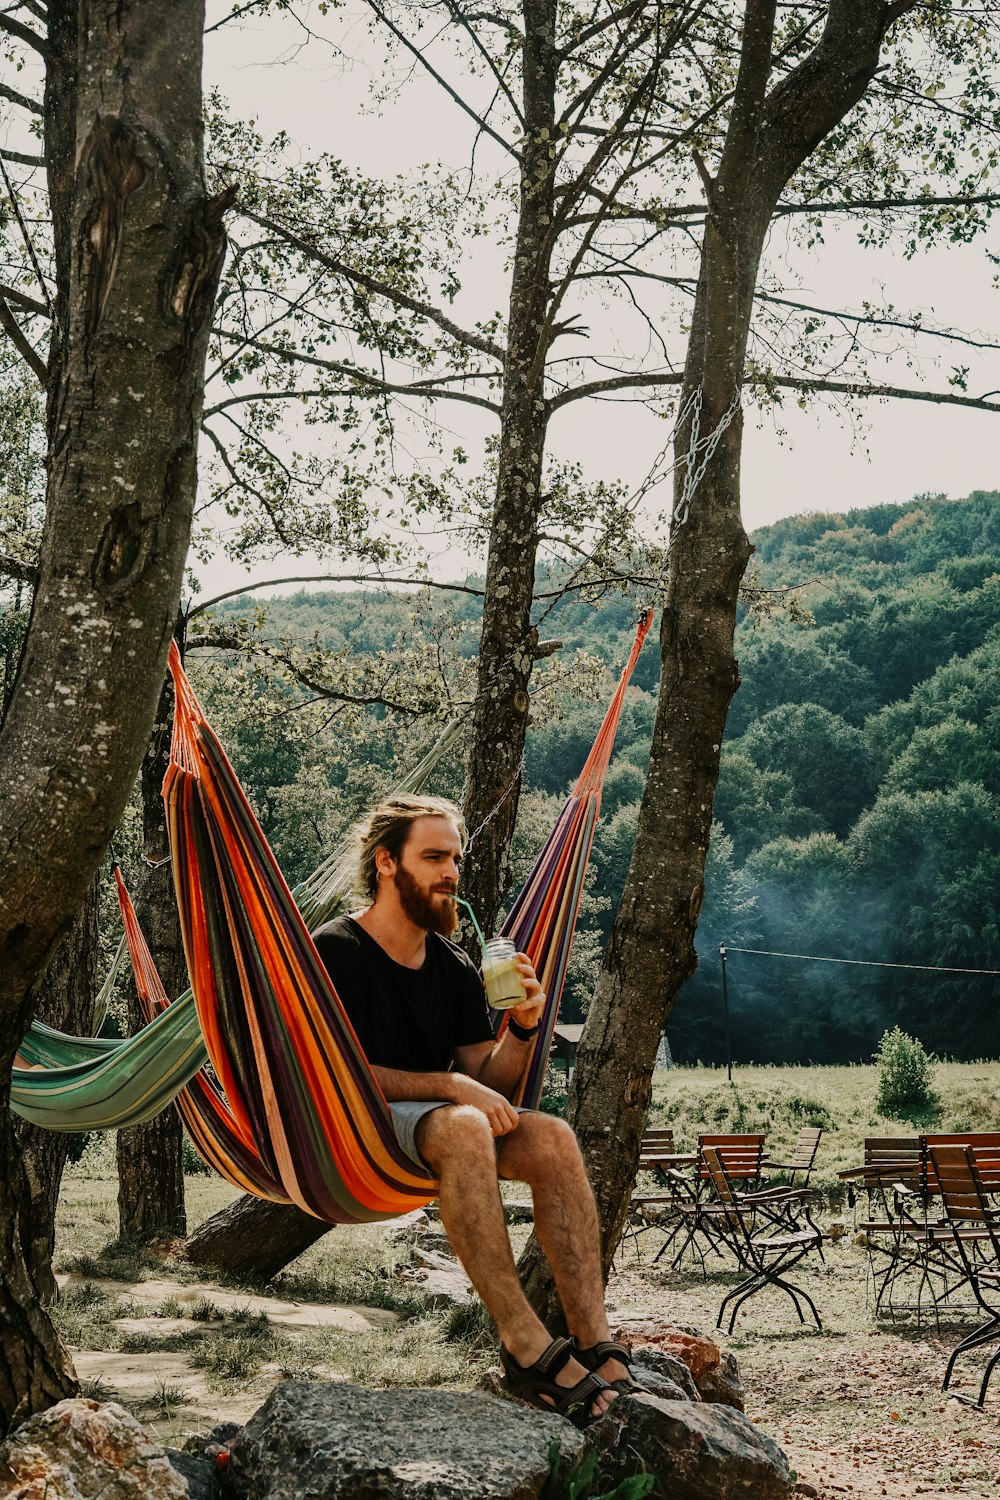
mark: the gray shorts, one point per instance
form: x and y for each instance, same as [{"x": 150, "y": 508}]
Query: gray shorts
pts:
[{"x": 406, "y": 1116}]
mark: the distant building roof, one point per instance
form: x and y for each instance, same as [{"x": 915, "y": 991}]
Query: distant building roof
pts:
[{"x": 570, "y": 1031}]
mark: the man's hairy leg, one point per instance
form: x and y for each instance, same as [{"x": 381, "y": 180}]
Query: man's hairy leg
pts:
[
  {"x": 544, "y": 1153},
  {"x": 457, "y": 1144}
]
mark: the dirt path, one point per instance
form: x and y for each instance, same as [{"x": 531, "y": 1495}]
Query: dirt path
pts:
[
  {"x": 857, "y": 1407},
  {"x": 163, "y": 1382}
]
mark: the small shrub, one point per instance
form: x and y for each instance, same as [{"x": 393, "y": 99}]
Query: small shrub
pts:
[
  {"x": 580, "y": 1482},
  {"x": 555, "y": 1093},
  {"x": 168, "y": 1397},
  {"x": 202, "y": 1310},
  {"x": 96, "y": 1158},
  {"x": 192, "y": 1164},
  {"x": 905, "y": 1085}
]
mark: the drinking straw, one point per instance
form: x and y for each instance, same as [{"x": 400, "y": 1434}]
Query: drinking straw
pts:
[{"x": 479, "y": 930}]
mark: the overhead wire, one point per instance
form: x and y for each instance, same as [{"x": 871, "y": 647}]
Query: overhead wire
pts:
[{"x": 867, "y": 963}]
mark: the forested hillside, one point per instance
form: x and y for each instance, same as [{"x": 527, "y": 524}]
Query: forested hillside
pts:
[{"x": 858, "y": 813}]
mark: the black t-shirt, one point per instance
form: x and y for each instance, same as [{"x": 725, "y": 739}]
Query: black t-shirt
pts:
[{"x": 411, "y": 1019}]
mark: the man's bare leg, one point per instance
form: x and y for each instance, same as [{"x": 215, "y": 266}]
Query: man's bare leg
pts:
[
  {"x": 544, "y": 1153},
  {"x": 457, "y": 1144}
]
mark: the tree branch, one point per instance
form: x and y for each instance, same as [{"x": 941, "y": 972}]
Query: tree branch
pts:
[
  {"x": 893, "y": 392},
  {"x": 13, "y": 567},
  {"x": 627, "y": 13},
  {"x": 21, "y": 100},
  {"x": 19, "y": 299},
  {"x": 24, "y": 34},
  {"x": 380, "y": 288},
  {"x": 22, "y": 159},
  {"x": 876, "y": 205},
  {"x": 424, "y": 390},
  {"x": 234, "y": 15},
  {"x": 873, "y": 320},
  {"x": 466, "y": 23},
  {"x": 415, "y": 52},
  {"x": 613, "y": 383},
  {"x": 379, "y": 578},
  {"x": 808, "y": 385},
  {"x": 35, "y": 8},
  {"x": 21, "y": 343}
]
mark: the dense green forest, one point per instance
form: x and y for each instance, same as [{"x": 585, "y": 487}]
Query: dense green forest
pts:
[{"x": 858, "y": 811}]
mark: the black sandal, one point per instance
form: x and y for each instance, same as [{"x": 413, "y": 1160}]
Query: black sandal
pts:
[
  {"x": 536, "y": 1383},
  {"x": 594, "y": 1357}
]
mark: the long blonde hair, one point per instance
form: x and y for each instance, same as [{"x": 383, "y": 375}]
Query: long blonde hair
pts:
[{"x": 388, "y": 827}]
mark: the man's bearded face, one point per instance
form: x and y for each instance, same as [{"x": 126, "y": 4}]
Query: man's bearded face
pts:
[{"x": 429, "y": 907}]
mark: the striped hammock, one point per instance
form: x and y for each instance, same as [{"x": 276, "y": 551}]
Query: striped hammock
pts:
[
  {"x": 302, "y": 1101},
  {"x": 543, "y": 918},
  {"x": 73, "y": 1083}
]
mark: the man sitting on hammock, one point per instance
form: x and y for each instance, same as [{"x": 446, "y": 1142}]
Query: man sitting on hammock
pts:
[{"x": 418, "y": 1006}]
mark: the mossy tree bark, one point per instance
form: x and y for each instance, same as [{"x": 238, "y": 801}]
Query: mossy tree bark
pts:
[{"x": 138, "y": 250}]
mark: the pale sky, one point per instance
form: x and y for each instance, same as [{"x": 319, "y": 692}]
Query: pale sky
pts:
[{"x": 820, "y": 459}]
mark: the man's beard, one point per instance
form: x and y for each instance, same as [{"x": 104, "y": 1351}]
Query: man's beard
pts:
[{"x": 432, "y": 913}]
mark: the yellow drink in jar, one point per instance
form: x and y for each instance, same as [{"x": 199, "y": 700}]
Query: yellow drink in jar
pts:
[{"x": 504, "y": 985}]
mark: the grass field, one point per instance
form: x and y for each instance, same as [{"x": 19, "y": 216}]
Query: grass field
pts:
[
  {"x": 857, "y": 1407},
  {"x": 841, "y": 1101}
]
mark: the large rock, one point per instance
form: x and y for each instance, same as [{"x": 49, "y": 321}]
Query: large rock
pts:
[
  {"x": 722, "y": 1385},
  {"x": 694, "y": 1451},
  {"x": 86, "y": 1450},
  {"x": 440, "y": 1278},
  {"x": 200, "y": 1473},
  {"x": 317, "y": 1442},
  {"x": 664, "y": 1375},
  {"x": 203, "y": 1459},
  {"x": 716, "y": 1375}
]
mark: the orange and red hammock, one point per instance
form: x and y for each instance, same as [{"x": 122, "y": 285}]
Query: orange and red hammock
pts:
[{"x": 297, "y": 1114}]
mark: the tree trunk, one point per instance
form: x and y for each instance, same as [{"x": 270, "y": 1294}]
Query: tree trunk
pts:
[
  {"x": 651, "y": 949},
  {"x": 138, "y": 248},
  {"x": 254, "y": 1238},
  {"x": 506, "y": 652},
  {"x": 150, "y": 1156},
  {"x": 66, "y": 1001}
]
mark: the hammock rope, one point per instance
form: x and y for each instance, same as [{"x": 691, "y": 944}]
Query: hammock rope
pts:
[{"x": 543, "y": 918}]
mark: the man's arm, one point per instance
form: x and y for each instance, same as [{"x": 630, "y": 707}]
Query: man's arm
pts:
[
  {"x": 455, "y": 1088},
  {"x": 486, "y": 1073}
]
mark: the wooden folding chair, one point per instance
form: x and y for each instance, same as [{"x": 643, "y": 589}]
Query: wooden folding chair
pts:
[
  {"x": 779, "y": 1204},
  {"x": 921, "y": 1241},
  {"x": 893, "y": 1180},
  {"x": 766, "y": 1258},
  {"x": 931, "y": 1245},
  {"x": 741, "y": 1157},
  {"x": 965, "y": 1195},
  {"x": 803, "y": 1160},
  {"x": 656, "y": 1207}
]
